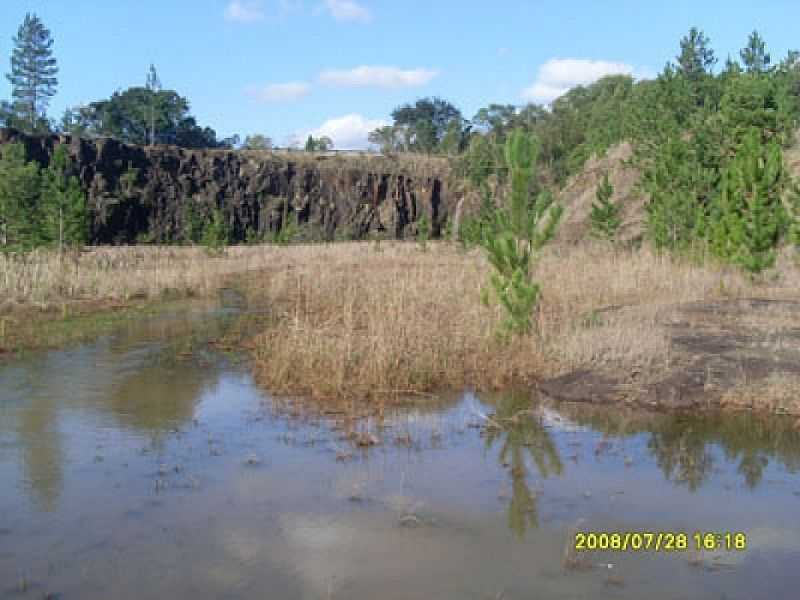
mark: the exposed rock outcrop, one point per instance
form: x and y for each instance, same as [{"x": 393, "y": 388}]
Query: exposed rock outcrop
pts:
[{"x": 151, "y": 193}]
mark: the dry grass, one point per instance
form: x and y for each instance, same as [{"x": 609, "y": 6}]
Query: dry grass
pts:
[
  {"x": 350, "y": 321},
  {"x": 353, "y": 321},
  {"x": 607, "y": 309},
  {"x": 778, "y": 393},
  {"x": 400, "y": 163},
  {"x": 357, "y": 319},
  {"x": 43, "y": 279}
]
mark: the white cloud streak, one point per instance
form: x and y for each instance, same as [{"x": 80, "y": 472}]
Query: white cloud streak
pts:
[
  {"x": 347, "y": 11},
  {"x": 348, "y": 132},
  {"x": 280, "y": 92},
  {"x": 244, "y": 11},
  {"x": 377, "y": 76},
  {"x": 557, "y": 76}
]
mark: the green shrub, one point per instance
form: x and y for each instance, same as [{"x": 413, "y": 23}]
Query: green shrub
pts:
[{"x": 215, "y": 233}]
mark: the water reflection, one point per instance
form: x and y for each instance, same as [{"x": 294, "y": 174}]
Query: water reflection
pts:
[
  {"x": 326, "y": 512},
  {"x": 43, "y": 452},
  {"x": 158, "y": 398},
  {"x": 687, "y": 449},
  {"x": 147, "y": 378},
  {"x": 520, "y": 433},
  {"x": 682, "y": 453}
]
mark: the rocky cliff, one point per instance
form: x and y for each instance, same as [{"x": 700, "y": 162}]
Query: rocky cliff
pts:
[{"x": 137, "y": 193}]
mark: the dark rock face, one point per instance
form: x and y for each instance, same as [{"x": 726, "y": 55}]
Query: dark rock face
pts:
[{"x": 137, "y": 193}]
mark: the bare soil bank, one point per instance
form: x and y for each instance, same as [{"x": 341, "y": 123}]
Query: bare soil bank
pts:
[{"x": 741, "y": 353}]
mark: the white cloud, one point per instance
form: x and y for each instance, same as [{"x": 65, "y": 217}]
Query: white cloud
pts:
[
  {"x": 347, "y": 10},
  {"x": 380, "y": 77},
  {"x": 280, "y": 92},
  {"x": 244, "y": 11},
  {"x": 557, "y": 76},
  {"x": 348, "y": 132}
]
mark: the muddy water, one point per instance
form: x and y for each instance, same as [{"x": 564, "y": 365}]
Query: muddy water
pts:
[{"x": 145, "y": 465}]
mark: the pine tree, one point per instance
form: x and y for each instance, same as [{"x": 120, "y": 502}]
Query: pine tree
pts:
[
  {"x": 154, "y": 86},
  {"x": 215, "y": 233},
  {"x": 192, "y": 222},
  {"x": 33, "y": 74},
  {"x": 678, "y": 185},
  {"x": 696, "y": 58},
  {"x": 755, "y": 57},
  {"x": 518, "y": 233},
  {"x": 605, "y": 217},
  {"x": 63, "y": 203},
  {"x": 748, "y": 217},
  {"x": 474, "y": 229},
  {"x": 20, "y": 187}
]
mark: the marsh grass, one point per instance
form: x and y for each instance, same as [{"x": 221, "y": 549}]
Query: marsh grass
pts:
[
  {"x": 46, "y": 280},
  {"x": 778, "y": 393},
  {"x": 347, "y": 321}
]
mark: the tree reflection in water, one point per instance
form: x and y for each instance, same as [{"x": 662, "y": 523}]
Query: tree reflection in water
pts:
[
  {"x": 688, "y": 448},
  {"x": 521, "y": 433},
  {"x": 682, "y": 454}
]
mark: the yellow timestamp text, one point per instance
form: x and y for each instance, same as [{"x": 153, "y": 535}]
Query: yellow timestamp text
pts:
[{"x": 660, "y": 541}]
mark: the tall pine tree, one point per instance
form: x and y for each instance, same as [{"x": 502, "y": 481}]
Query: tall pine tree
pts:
[
  {"x": 33, "y": 74},
  {"x": 748, "y": 217},
  {"x": 63, "y": 203},
  {"x": 697, "y": 57},
  {"x": 20, "y": 223},
  {"x": 755, "y": 57},
  {"x": 153, "y": 86},
  {"x": 679, "y": 187}
]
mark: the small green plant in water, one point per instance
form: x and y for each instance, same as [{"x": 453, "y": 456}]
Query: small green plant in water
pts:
[{"x": 517, "y": 235}]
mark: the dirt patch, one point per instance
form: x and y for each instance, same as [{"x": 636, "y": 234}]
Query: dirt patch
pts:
[{"x": 742, "y": 353}]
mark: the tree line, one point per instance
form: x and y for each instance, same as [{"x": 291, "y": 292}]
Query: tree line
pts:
[
  {"x": 143, "y": 114},
  {"x": 708, "y": 142}
]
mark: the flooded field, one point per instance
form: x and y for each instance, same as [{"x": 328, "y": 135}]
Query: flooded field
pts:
[{"x": 148, "y": 465}]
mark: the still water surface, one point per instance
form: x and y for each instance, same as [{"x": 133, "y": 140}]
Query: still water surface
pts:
[{"x": 131, "y": 469}]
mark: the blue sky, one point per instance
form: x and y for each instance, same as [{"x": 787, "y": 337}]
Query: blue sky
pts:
[{"x": 289, "y": 67}]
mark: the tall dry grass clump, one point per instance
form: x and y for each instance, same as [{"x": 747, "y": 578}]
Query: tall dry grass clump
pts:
[{"x": 352, "y": 320}]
